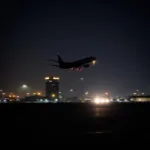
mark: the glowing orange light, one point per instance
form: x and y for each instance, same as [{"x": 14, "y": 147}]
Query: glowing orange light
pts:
[
  {"x": 38, "y": 93},
  {"x": 94, "y": 62}
]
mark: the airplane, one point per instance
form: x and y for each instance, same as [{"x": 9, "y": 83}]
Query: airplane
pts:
[{"x": 75, "y": 65}]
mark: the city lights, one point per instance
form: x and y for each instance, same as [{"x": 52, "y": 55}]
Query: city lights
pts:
[
  {"x": 38, "y": 93},
  {"x": 98, "y": 100},
  {"x": 53, "y": 95}
]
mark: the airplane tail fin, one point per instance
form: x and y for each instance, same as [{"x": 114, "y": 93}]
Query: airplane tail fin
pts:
[
  {"x": 54, "y": 65},
  {"x": 59, "y": 59}
]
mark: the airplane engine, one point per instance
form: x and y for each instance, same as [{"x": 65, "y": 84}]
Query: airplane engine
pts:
[{"x": 86, "y": 65}]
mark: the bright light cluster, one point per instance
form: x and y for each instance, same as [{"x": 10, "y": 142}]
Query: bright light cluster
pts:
[{"x": 98, "y": 100}]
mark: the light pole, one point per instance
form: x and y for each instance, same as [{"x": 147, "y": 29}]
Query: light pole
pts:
[
  {"x": 137, "y": 92},
  {"x": 3, "y": 95},
  {"x": 107, "y": 95},
  {"x": 24, "y": 89},
  {"x": 24, "y": 86}
]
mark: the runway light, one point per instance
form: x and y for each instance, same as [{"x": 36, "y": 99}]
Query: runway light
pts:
[
  {"x": 97, "y": 100},
  {"x": 101, "y": 100}
]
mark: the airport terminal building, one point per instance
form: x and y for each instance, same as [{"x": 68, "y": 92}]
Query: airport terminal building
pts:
[{"x": 142, "y": 98}]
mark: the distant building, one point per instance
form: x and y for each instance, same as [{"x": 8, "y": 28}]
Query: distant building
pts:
[
  {"x": 33, "y": 98},
  {"x": 52, "y": 87},
  {"x": 143, "y": 98}
]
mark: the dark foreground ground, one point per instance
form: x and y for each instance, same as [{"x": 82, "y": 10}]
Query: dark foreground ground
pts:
[{"x": 73, "y": 123}]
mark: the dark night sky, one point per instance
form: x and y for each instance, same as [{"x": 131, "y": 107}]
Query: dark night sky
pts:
[{"x": 117, "y": 34}]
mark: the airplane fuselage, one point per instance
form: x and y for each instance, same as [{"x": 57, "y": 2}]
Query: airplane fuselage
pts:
[{"x": 75, "y": 64}]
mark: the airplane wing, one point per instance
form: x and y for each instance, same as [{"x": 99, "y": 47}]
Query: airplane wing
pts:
[{"x": 52, "y": 60}]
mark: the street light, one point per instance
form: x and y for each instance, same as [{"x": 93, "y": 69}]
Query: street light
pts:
[
  {"x": 53, "y": 95},
  {"x": 107, "y": 95},
  {"x": 24, "y": 86},
  {"x": 86, "y": 93},
  {"x": 39, "y": 93}
]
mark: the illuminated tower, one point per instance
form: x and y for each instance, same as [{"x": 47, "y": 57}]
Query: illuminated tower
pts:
[{"x": 52, "y": 87}]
